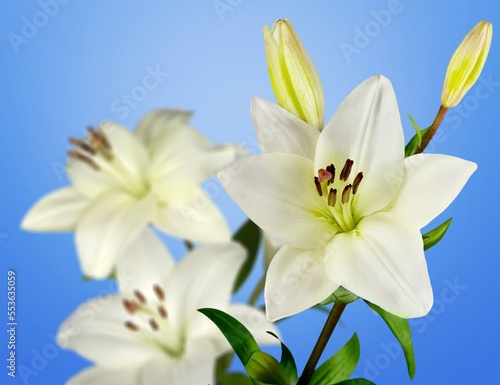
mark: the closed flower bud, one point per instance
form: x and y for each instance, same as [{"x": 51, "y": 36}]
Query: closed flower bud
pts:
[
  {"x": 294, "y": 78},
  {"x": 466, "y": 64}
]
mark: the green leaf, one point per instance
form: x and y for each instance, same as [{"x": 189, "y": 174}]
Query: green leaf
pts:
[
  {"x": 401, "y": 330},
  {"x": 241, "y": 340},
  {"x": 248, "y": 236},
  {"x": 265, "y": 368},
  {"x": 434, "y": 236},
  {"x": 234, "y": 379},
  {"x": 341, "y": 295},
  {"x": 356, "y": 381},
  {"x": 287, "y": 361},
  {"x": 340, "y": 366},
  {"x": 415, "y": 142}
]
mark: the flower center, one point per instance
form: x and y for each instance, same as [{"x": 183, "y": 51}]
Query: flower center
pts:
[
  {"x": 96, "y": 152},
  {"x": 339, "y": 194},
  {"x": 150, "y": 320}
]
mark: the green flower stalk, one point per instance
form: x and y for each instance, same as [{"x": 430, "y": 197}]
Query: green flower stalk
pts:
[
  {"x": 466, "y": 64},
  {"x": 294, "y": 78}
]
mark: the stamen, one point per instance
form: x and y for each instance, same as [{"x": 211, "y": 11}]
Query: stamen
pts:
[
  {"x": 332, "y": 197},
  {"x": 162, "y": 312},
  {"x": 356, "y": 183},
  {"x": 153, "y": 324},
  {"x": 140, "y": 296},
  {"x": 160, "y": 294},
  {"x": 101, "y": 144},
  {"x": 324, "y": 175},
  {"x": 131, "y": 326},
  {"x": 83, "y": 158},
  {"x": 331, "y": 170},
  {"x": 131, "y": 306},
  {"x": 345, "y": 193},
  {"x": 346, "y": 171},
  {"x": 318, "y": 186},
  {"x": 84, "y": 146}
]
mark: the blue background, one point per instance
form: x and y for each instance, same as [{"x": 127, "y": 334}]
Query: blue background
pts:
[{"x": 72, "y": 69}]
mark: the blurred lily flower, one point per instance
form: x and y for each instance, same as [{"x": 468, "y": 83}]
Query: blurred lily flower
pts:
[
  {"x": 466, "y": 64},
  {"x": 151, "y": 332},
  {"x": 350, "y": 215},
  {"x": 294, "y": 78},
  {"x": 122, "y": 181}
]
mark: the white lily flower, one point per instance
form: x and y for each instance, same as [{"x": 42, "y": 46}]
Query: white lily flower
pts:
[
  {"x": 151, "y": 333},
  {"x": 122, "y": 181},
  {"x": 350, "y": 214}
]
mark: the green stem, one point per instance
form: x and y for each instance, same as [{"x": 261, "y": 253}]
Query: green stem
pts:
[
  {"x": 259, "y": 288},
  {"x": 324, "y": 337},
  {"x": 432, "y": 129}
]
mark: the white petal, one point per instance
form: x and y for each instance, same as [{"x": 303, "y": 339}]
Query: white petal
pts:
[
  {"x": 431, "y": 182},
  {"x": 158, "y": 122},
  {"x": 97, "y": 375},
  {"x": 384, "y": 263},
  {"x": 87, "y": 181},
  {"x": 195, "y": 217},
  {"x": 96, "y": 331},
  {"x": 203, "y": 278},
  {"x": 296, "y": 280},
  {"x": 278, "y": 130},
  {"x": 145, "y": 262},
  {"x": 196, "y": 366},
  {"x": 109, "y": 225},
  {"x": 277, "y": 192},
  {"x": 58, "y": 211},
  {"x": 366, "y": 128}
]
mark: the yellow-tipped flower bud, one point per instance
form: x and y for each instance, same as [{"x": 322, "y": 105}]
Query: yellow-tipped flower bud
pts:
[
  {"x": 466, "y": 64},
  {"x": 294, "y": 78}
]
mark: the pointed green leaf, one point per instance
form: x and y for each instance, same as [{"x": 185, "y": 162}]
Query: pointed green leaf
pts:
[
  {"x": 401, "y": 330},
  {"x": 234, "y": 379},
  {"x": 241, "y": 340},
  {"x": 356, "y": 381},
  {"x": 265, "y": 368},
  {"x": 415, "y": 142},
  {"x": 417, "y": 129},
  {"x": 287, "y": 361},
  {"x": 340, "y": 366},
  {"x": 434, "y": 236},
  {"x": 248, "y": 236}
]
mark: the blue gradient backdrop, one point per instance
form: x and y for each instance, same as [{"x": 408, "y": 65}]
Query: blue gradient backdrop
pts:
[{"x": 71, "y": 67}]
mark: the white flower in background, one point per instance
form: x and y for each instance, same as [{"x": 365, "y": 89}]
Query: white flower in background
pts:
[
  {"x": 122, "y": 181},
  {"x": 151, "y": 333},
  {"x": 347, "y": 205}
]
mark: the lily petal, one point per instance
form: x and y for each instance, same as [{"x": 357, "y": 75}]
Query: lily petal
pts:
[
  {"x": 109, "y": 225},
  {"x": 366, "y": 128},
  {"x": 278, "y": 130},
  {"x": 97, "y": 375},
  {"x": 277, "y": 192},
  {"x": 195, "y": 217},
  {"x": 384, "y": 263},
  {"x": 96, "y": 331},
  {"x": 296, "y": 280},
  {"x": 431, "y": 182},
  {"x": 57, "y": 211},
  {"x": 160, "y": 122},
  {"x": 89, "y": 182},
  {"x": 144, "y": 263}
]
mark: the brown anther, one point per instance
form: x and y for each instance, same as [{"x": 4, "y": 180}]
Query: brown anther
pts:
[
  {"x": 162, "y": 312},
  {"x": 153, "y": 324},
  {"x": 346, "y": 171},
  {"x": 346, "y": 193},
  {"x": 131, "y": 326},
  {"x": 332, "y": 197},
  {"x": 331, "y": 170},
  {"x": 160, "y": 294},
  {"x": 83, "y": 158},
  {"x": 84, "y": 146},
  {"x": 100, "y": 143},
  {"x": 356, "y": 182},
  {"x": 318, "y": 186},
  {"x": 140, "y": 296},
  {"x": 130, "y": 306}
]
